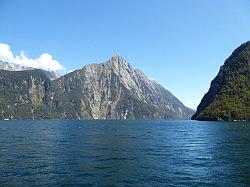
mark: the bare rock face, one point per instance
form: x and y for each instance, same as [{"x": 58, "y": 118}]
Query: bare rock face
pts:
[{"x": 114, "y": 90}]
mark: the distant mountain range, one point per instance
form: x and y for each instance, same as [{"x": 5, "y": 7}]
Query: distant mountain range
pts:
[
  {"x": 17, "y": 67},
  {"x": 228, "y": 98},
  {"x": 111, "y": 90}
]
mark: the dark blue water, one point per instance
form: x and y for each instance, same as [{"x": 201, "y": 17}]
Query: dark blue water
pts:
[{"x": 124, "y": 153}]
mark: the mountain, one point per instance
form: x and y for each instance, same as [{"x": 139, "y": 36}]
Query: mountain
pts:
[
  {"x": 228, "y": 98},
  {"x": 111, "y": 90},
  {"x": 17, "y": 67},
  {"x": 114, "y": 90},
  {"x": 13, "y": 67}
]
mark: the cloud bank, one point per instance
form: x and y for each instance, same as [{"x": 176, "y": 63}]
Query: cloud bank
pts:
[{"x": 45, "y": 61}]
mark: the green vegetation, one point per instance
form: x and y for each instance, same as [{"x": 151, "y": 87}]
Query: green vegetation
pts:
[
  {"x": 228, "y": 98},
  {"x": 24, "y": 95}
]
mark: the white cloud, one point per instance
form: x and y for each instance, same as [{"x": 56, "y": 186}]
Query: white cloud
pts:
[
  {"x": 5, "y": 52},
  {"x": 45, "y": 61}
]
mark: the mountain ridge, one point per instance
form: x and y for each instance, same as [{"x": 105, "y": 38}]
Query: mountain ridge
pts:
[
  {"x": 16, "y": 67},
  {"x": 121, "y": 74},
  {"x": 110, "y": 90}
]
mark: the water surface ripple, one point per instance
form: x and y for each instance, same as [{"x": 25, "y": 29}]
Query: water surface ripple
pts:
[{"x": 124, "y": 153}]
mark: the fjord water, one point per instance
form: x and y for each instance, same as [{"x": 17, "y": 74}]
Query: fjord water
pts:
[{"x": 124, "y": 153}]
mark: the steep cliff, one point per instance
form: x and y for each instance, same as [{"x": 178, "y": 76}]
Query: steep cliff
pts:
[{"x": 229, "y": 95}]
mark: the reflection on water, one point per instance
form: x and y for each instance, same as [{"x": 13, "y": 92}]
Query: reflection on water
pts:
[{"x": 119, "y": 153}]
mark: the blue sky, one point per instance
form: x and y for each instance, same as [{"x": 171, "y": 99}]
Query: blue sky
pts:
[{"x": 180, "y": 44}]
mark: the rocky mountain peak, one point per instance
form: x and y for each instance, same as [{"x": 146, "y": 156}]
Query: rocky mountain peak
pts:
[
  {"x": 118, "y": 59},
  {"x": 117, "y": 62}
]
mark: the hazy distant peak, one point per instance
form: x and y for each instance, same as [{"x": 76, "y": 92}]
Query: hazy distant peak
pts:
[
  {"x": 16, "y": 67},
  {"x": 13, "y": 67}
]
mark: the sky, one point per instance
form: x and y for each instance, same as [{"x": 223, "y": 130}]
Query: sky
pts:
[{"x": 180, "y": 44}]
